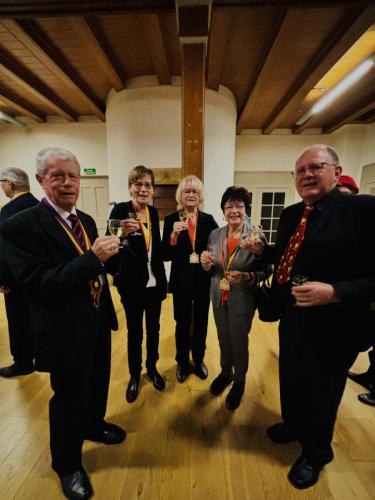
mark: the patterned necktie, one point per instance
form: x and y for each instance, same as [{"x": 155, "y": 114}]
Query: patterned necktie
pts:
[
  {"x": 77, "y": 230},
  {"x": 289, "y": 256}
]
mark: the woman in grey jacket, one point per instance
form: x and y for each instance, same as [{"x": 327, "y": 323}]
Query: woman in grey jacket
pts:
[{"x": 234, "y": 276}]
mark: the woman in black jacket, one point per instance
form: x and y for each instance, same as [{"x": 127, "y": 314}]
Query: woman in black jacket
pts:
[
  {"x": 183, "y": 242},
  {"x": 140, "y": 277}
]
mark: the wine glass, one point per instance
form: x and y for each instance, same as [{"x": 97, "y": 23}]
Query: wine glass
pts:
[
  {"x": 212, "y": 249},
  {"x": 183, "y": 215},
  {"x": 255, "y": 232},
  {"x": 134, "y": 215},
  {"x": 115, "y": 229},
  {"x": 299, "y": 279}
]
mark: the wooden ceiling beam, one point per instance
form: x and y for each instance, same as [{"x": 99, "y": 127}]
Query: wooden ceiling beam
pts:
[
  {"x": 346, "y": 34},
  {"x": 154, "y": 37},
  {"x": 278, "y": 47},
  {"x": 218, "y": 39},
  {"x": 365, "y": 106},
  {"x": 96, "y": 42},
  {"x": 20, "y": 106},
  {"x": 31, "y": 36},
  {"x": 31, "y": 84}
]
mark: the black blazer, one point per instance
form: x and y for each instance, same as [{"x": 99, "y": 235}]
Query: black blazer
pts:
[
  {"x": 184, "y": 276},
  {"x": 338, "y": 248},
  {"x": 56, "y": 279},
  {"x": 130, "y": 265},
  {"x": 14, "y": 206}
]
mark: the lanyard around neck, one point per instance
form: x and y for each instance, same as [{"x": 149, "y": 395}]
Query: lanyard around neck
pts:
[{"x": 147, "y": 233}]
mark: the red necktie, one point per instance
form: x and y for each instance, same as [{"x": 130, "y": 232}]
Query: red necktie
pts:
[
  {"x": 77, "y": 230},
  {"x": 287, "y": 260}
]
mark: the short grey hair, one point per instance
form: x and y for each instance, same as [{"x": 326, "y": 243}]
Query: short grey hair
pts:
[
  {"x": 17, "y": 177},
  {"x": 332, "y": 153},
  {"x": 195, "y": 183},
  {"x": 54, "y": 153}
]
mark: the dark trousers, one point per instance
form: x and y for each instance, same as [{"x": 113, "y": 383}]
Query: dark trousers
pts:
[
  {"x": 191, "y": 316},
  {"x": 150, "y": 304},
  {"x": 312, "y": 382},
  {"x": 78, "y": 406},
  {"x": 371, "y": 368},
  {"x": 19, "y": 327}
]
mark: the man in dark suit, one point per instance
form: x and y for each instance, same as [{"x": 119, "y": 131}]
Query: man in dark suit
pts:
[
  {"x": 16, "y": 186},
  {"x": 58, "y": 258},
  {"x": 324, "y": 322}
]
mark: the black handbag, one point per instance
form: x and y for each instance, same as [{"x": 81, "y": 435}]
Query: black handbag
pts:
[{"x": 267, "y": 303}]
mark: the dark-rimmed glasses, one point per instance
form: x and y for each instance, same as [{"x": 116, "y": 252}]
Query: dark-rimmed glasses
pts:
[{"x": 314, "y": 168}]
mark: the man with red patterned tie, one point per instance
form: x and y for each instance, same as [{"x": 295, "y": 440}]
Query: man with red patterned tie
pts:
[
  {"x": 324, "y": 321},
  {"x": 57, "y": 257}
]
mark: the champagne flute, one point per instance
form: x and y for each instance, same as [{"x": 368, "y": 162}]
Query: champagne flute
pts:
[
  {"x": 183, "y": 215},
  {"x": 115, "y": 229},
  {"x": 134, "y": 215}
]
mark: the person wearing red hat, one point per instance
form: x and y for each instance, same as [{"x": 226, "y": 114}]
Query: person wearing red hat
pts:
[{"x": 347, "y": 185}]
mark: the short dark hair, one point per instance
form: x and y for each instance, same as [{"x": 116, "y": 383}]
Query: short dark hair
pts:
[
  {"x": 138, "y": 172},
  {"x": 236, "y": 193}
]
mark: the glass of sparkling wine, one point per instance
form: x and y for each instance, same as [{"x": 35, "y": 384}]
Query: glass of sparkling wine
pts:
[
  {"x": 255, "y": 232},
  {"x": 211, "y": 249},
  {"x": 183, "y": 215},
  {"x": 115, "y": 228},
  {"x": 134, "y": 215}
]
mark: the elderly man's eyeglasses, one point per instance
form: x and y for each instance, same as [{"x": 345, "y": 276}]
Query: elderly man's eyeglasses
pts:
[
  {"x": 140, "y": 185},
  {"x": 314, "y": 168},
  {"x": 234, "y": 207}
]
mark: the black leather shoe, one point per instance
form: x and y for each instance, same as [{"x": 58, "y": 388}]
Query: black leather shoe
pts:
[
  {"x": 368, "y": 399},
  {"x": 111, "y": 434},
  {"x": 363, "y": 379},
  {"x": 76, "y": 485},
  {"x": 303, "y": 474},
  {"x": 219, "y": 384},
  {"x": 132, "y": 390},
  {"x": 181, "y": 374},
  {"x": 15, "y": 370},
  {"x": 156, "y": 379},
  {"x": 281, "y": 433},
  {"x": 235, "y": 394},
  {"x": 201, "y": 370}
]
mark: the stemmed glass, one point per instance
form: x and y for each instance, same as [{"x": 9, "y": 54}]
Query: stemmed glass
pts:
[
  {"x": 255, "y": 232},
  {"x": 212, "y": 249},
  {"x": 299, "y": 279},
  {"x": 183, "y": 215},
  {"x": 115, "y": 229},
  {"x": 134, "y": 215}
]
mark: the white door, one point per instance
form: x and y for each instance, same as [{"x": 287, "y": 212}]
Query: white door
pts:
[{"x": 94, "y": 199}]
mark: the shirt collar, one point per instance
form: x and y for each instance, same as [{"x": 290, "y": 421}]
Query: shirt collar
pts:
[{"x": 63, "y": 213}]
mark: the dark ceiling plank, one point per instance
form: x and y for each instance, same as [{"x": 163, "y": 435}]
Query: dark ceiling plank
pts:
[
  {"x": 365, "y": 106},
  {"x": 97, "y": 44},
  {"x": 154, "y": 37},
  {"x": 14, "y": 71},
  {"x": 280, "y": 44},
  {"x": 345, "y": 35},
  {"x": 219, "y": 33},
  {"x": 20, "y": 106},
  {"x": 31, "y": 36}
]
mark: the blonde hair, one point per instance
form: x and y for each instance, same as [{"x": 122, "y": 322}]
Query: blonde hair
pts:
[{"x": 190, "y": 181}]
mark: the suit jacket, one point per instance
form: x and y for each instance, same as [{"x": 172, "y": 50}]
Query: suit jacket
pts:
[
  {"x": 130, "y": 265},
  {"x": 338, "y": 248},
  {"x": 186, "y": 277},
  {"x": 56, "y": 279},
  {"x": 14, "y": 206},
  {"x": 242, "y": 295}
]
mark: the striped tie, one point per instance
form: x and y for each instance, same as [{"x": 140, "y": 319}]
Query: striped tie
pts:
[
  {"x": 77, "y": 230},
  {"x": 287, "y": 260}
]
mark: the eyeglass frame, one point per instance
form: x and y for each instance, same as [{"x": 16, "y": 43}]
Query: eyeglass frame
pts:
[
  {"x": 139, "y": 185},
  {"x": 313, "y": 167},
  {"x": 235, "y": 207}
]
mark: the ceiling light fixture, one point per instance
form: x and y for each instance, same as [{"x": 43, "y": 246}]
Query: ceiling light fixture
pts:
[
  {"x": 13, "y": 121},
  {"x": 331, "y": 95}
]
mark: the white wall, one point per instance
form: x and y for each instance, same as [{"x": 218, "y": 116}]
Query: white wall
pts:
[
  {"x": 19, "y": 147},
  {"x": 144, "y": 127}
]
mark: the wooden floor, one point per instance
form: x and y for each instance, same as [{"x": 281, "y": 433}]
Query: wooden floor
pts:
[{"x": 183, "y": 443}]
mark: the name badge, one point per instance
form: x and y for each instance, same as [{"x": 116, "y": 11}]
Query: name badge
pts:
[
  {"x": 224, "y": 284},
  {"x": 194, "y": 258}
]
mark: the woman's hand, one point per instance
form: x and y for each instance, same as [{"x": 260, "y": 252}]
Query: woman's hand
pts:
[
  {"x": 129, "y": 226},
  {"x": 207, "y": 260},
  {"x": 252, "y": 245},
  {"x": 177, "y": 228},
  {"x": 235, "y": 277}
]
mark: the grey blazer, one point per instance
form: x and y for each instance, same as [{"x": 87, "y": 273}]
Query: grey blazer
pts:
[{"x": 241, "y": 296}]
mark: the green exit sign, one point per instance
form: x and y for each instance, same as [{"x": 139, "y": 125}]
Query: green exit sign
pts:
[{"x": 89, "y": 171}]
